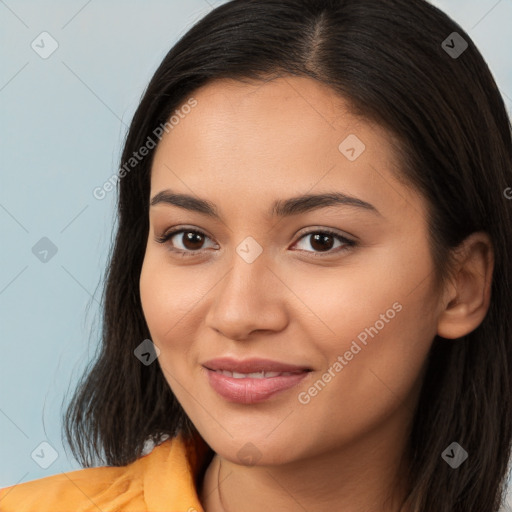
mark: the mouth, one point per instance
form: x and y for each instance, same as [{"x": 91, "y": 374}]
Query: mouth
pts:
[
  {"x": 254, "y": 375},
  {"x": 254, "y": 380}
]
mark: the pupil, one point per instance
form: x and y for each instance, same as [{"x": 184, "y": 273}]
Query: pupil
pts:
[
  {"x": 193, "y": 238},
  {"x": 322, "y": 241}
]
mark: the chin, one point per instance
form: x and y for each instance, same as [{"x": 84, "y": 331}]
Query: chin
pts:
[{"x": 251, "y": 450}]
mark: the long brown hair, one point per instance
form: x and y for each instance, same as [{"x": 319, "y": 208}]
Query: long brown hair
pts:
[{"x": 390, "y": 59}]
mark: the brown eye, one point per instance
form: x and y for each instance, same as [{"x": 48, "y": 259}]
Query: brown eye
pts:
[
  {"x": 192, "y": 240},
  {"x": 325, "y": 240},
  {"x": 186, "y": 241},
  {"x": 321, "y": 242}
]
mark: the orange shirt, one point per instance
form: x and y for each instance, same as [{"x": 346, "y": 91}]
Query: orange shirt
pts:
[{"x": 162, "y": 481}]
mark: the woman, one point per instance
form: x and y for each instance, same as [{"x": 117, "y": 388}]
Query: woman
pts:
[{"x": 308, "y": 302}]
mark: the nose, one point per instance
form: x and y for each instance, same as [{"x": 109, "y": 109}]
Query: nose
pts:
[{"x": 250, "y": 297}]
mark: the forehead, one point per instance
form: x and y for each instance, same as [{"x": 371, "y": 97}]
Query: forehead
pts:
[{"x": 274, "y": 139}]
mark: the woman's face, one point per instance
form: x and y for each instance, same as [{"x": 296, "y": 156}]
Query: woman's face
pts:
[{"x": 263, "y": 278}]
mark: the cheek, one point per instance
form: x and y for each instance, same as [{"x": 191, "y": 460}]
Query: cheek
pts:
[
  {"x": 365, "y": 299},
  {"x": 379, "y": 316},
  {"x": 167, "y": 295},
  {"x": 164, "y": 302},
  {"x": 171, "y": 300},
  {"x": 383, "y": 334}
]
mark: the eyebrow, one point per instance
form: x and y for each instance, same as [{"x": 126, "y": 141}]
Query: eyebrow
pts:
[{"x": 280, "y": 208}]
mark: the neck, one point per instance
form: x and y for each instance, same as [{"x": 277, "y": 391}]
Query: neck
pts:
[{"x": 369, "y": 474}]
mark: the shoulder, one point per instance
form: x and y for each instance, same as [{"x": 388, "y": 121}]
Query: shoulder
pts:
[
  {"x": 108, "y": 488},
  {"x": 80, "y": 490}
]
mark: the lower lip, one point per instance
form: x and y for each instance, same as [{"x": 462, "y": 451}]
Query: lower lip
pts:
[{"x": 251, "y": 391}]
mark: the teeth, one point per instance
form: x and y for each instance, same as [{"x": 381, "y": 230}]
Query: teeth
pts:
[{"x": 254, "y": 375}]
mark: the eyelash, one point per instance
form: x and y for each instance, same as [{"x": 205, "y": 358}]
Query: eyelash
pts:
[{"x": 348, "y": 244}]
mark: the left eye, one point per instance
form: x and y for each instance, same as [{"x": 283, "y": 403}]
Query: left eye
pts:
[
  {"x": 324, "y": 240},
  {"x": 320, "y": 240}
]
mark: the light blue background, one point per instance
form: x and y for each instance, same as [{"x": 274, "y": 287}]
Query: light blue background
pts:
[{"x": 63, "y": 122}]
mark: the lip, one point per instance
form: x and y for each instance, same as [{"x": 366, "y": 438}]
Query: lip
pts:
[
  {"x": 252, "y": 390},
  {"x": 251, "y": 365}
]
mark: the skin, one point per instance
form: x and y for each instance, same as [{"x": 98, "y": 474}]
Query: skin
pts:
[{"x": 242, "y": 147}]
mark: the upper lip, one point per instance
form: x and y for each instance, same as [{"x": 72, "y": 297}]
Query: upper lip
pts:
[{"x": 252, "y": 365}]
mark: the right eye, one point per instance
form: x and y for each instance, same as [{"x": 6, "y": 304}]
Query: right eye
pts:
[{"x": 191, "y": 242}]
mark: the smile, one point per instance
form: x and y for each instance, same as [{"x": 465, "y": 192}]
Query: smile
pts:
[
  {"x": 252, "y": 381},
  {"x": 253, "y": 375}
]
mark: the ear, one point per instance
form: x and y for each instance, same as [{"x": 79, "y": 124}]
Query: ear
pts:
[{"x": 467, "y": 297}]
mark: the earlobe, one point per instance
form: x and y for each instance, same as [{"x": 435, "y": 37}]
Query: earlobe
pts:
[{"x": 469, "y": 293}]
